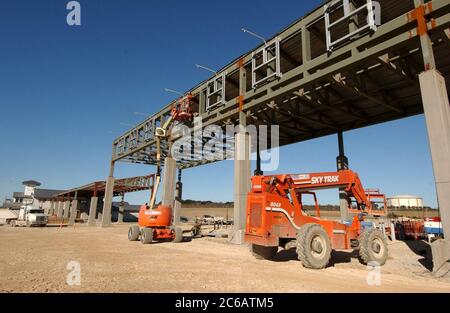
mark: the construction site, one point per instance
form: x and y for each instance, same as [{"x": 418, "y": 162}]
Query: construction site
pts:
[{"x": 339, "y": 68}]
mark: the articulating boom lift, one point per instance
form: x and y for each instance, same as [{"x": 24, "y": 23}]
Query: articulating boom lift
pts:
[
  {"x": 157, "y": 224},
  {"x": 276, "y": 217}
]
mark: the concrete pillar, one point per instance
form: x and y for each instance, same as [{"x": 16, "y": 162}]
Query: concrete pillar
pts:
[
  {"x": 121, "y": 211},
  {"x": 51, "y": 212},
  {"x": 60, "y": 210},
  {"x": 178, "y": 198},
  {"x": 66, "y": 210},
  {"x": 170, "y": 171},
  {"x": 100, "y": 217},
  {"x": 437, "y": 113},
  {"x": 107, "y": 201},
  {"x": 93, "y": 211},
  {"x": 73, "y": 212},
  {"x": 242, "y": 182},
  {"x": 342, "y": 164},
  {"x": 393, "y": 238}
]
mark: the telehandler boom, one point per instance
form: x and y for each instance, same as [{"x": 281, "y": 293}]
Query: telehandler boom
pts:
[{"x": 276, "y": 217}]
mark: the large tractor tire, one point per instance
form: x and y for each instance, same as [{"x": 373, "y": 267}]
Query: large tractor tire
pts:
[
  {"x": 264, "y": 253},
  {"x": 313, "y": 246},
  {"x": 146, "y": 236},
  {"x": 178, "y": 232},
  {"x": 373, "y": 247},
  {"x": 133, "y": 233}
]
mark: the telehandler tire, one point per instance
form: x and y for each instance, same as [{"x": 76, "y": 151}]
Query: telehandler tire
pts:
[
  {"x": 264, "y": 253},
  {"x": 133, "y": 233},
  {"x": 178, "y": 235},
  {"x": 146, "y": 236},
  {"x": 313, "y": 246},
  {"x": 373, "y": 247}
]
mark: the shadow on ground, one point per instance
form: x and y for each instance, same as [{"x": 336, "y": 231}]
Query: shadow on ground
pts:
[
  {"x": 337, "y": 257},
  {"x": 423, "y": 249}
]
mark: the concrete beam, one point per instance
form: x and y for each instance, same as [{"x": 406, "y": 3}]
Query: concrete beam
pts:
[
  {"x": 93, "y": 211},
  {"x": 437, "y": 114}
]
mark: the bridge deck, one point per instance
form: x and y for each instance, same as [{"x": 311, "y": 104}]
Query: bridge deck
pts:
[{"x": 370, "y": 80}]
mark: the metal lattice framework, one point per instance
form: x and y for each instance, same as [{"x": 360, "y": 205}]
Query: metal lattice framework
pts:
[
  {"x": 372, "y": 77},
  {"x": 121, "y": 187}
]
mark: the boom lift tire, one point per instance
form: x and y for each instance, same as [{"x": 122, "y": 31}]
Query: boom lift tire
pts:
[
  {"x": 146, "y": 236},
  {"x": 373, "y": 247},
  {"x": 313, "y": 246},
  {"x": 133, "y": 233},
  {"x": 178, "y": 235},
  {"x": 264, "y": 253}
]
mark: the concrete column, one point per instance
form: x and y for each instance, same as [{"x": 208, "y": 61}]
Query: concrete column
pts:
[
  {"x": 242, "y": 182},
  {"x": 169, "y": 173},
  {"x": 93, "y": 211},
  {"x": 437, "y": 113},
  {"x": 66, "y": 210},
  {"x": 60, "y": 209},
  {"x": 393, "y": 238},
  {"x": 121, "y": 211},
  {"x": 73, "y": 212},
  {"x": 178, "y": 198},
  {"x": 107, "y": 200},
  {"x": 51, "y": 212},
  {"x": 100, "y": 217},
  {"x": 342, "y": 164}
]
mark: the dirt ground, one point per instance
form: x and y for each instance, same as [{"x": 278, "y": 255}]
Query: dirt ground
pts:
[{"x": 36, "y": 259}]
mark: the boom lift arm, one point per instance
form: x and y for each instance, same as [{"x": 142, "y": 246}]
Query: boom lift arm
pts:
[
  {"x": 181, "y": 112},
  {"x": 289, "y": 185}
]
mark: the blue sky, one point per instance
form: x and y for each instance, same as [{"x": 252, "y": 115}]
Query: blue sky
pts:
[{"x": 64, "y": 92}]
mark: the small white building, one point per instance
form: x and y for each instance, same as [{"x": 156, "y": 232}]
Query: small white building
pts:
[
  {"x": 405, "y": 201},
  {"x": 39, "y": 198}
]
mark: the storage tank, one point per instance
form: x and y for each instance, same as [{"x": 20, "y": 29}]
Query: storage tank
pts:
[{"x": 405, "y": 201}]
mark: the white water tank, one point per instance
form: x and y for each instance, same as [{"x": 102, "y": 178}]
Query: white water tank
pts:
[{"x": 405, "y": 201}]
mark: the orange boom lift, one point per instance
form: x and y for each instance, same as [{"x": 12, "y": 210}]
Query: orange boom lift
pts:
[
  {"x": 276, "y": 217},
  {"x": 156, "y": 223}
]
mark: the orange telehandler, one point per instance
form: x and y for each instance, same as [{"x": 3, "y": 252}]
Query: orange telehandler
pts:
[
  {"x": 276, "y": 217},
  {"x": 156, "y": 223}
]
